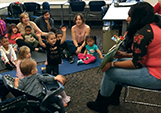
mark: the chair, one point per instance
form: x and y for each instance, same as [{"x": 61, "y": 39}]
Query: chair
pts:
[
  {"x": 33, "y": 9},
  {"x": 76, "y": 7},
  {"x": 25, "y": 102},
  {"x": 46, "y": 6},
  {"x": 95, "y": 10},
  {"x": 14, "y": 11},
  {"x": 127, "y": 91}
]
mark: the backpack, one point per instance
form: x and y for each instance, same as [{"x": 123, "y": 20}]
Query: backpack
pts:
[
  {"x": 15, "y": 9},
  {"x": 3, "y": 28}
]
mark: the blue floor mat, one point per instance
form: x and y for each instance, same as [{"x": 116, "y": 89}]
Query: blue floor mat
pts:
[{"x": 66, "y": 68}]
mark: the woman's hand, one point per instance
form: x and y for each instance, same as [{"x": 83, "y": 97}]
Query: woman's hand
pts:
[
  {"x": 120, "y": 54},
  {"x": 101, "y": 57},
  {"x": 106, "y": 67},
  {"x": 38, "y": 34},
  {"x": 79, "y": 49}
]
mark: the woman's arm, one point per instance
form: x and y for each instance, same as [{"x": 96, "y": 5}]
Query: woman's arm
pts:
[
  {"x": 88, "y": 30},
  {"x": 36, "y": 28},
  {"x": 74, "y": 37},
  {"x": 141, "y": 41},
  {"x": 128, "y": 64},
  {"x": 120, "y": 54}
]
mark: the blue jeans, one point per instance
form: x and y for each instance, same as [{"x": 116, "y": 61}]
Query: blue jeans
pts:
[
  {"x": 135, "y": 77},
  {"x": 72, "y": 46}
]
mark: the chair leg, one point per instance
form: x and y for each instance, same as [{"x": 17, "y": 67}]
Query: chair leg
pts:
[
  {"x": 139, "y": 102},
  {"x": 69, "y": 20},
  {"x": 125, "y": 94}
]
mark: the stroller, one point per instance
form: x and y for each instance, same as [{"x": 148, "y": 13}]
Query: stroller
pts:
[{"x": 25, "y": 103}]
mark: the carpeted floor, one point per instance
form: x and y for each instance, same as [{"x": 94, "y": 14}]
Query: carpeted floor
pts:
[{"x": 83, "y": 87}]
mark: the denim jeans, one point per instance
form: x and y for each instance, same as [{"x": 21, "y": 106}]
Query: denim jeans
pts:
[
  {"x": 72, "y": 46},
  {"x": 135, "y": 77}
]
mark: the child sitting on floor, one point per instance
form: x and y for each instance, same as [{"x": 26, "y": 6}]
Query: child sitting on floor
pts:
[
  {"x": 31, "y": 38},
  {"x": 31, "y": 83},
  {"x": 8, "y": 55},
  {"x": 13, "y": 34},
  {"x": 90, "y": 52}
]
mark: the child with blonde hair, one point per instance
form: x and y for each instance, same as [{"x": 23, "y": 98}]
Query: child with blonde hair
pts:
[{"x": 24, "y": 53}]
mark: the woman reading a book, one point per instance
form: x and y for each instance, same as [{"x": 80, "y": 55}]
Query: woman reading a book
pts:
[{"x": 144, "y": 69}]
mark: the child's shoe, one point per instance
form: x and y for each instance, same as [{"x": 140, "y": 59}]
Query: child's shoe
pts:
[
  {"x": 71, "y": 60},
  {"x": 80, "y": 62},
  {"x": 43, "y": 70},
  {"x": 86, "y": 58}
]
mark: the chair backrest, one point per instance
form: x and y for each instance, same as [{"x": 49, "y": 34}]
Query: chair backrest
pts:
[
  {"x": 31, "y": 6},
  {"x": 15, "y": 9},
  {"x": 96, "y": 5},
  {"x": 77, "y": 6},
  {"x": 46, "y": 6}
]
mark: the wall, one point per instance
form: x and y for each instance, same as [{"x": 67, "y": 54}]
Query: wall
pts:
[{"x": 152, "y": 2}]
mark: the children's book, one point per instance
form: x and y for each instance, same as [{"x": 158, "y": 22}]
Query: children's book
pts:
[{"x": 110, "y": 55}]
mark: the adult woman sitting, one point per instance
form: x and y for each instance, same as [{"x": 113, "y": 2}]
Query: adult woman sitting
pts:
[
  {"x": 24, "y": 21},
  {"x": 144, "y": 70},
  {"x": 79, "y": 32}
]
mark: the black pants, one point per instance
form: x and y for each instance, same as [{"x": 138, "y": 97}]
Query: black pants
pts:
[
  {"x": 21, "y": 42},
  {"x": 10, "y": 66},
  {"x": 52, "y": 68}
]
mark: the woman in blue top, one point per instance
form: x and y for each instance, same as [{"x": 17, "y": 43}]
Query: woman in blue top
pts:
[{"x": 90, "y": 52}]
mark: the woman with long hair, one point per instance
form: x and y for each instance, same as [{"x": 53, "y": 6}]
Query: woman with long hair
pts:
[{"x": 143, "y": 69}]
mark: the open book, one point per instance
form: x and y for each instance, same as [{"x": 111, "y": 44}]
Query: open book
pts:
[{"x": 110, "y": 55}]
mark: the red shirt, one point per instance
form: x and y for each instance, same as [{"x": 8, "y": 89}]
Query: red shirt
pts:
[{"x": 13, "y": 38}]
